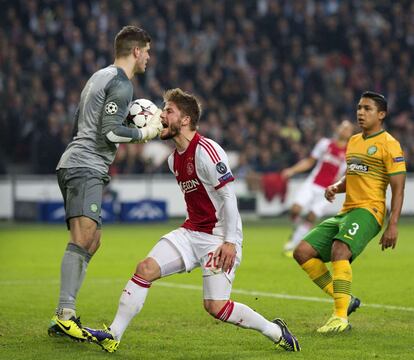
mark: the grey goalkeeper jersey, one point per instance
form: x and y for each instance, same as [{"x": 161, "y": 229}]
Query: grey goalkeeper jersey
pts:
[{"x": 102, "y": 109}]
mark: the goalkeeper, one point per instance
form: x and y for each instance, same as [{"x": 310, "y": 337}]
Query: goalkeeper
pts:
[{"x": 83, "y": 168}]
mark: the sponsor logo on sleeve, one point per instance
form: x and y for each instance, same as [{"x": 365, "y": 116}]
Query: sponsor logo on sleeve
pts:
[
  {"x": 111, "y": 108},
  {"x": 226, "y": 177},
  {"x": 221, "y": 167},
  {"x": 398, "y": 159}
]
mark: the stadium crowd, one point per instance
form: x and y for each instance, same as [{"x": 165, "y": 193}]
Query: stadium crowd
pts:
[{"x": 273, "y": 75}]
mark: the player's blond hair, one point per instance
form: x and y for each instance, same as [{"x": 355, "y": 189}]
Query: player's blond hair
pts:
[
  {"x": 188, "y": 105},
  {"x": 128, "y": 38}
]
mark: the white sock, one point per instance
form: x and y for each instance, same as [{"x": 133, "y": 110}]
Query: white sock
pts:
[
  {"x": 243, "y": 316},
  {"x": 296, "y": 221},
  {"x": 130, "y": 304},
  {"x": 299, "y": 233}
]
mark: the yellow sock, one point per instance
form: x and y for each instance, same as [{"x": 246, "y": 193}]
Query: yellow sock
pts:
[
  {"x": 320, "y": 275},
  {"x": 342, "y": 280}
]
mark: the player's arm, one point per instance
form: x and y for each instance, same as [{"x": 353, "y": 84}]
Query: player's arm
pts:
[
  {"x": 395, "y": 164},
  {"x": 300, "y": 167},
  {"x": 226, "y": 253},
  {"x": 309, "y": 162},
  {"x": 213, "y": 169},
  {"x": 390, "y": 235},
  {"x": 118, "y": 96},
  {"x": 118, "y": 133},
  {"x": 336, "y": 188}
]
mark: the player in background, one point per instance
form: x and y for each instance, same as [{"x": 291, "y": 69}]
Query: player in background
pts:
[
  {"x": 210, "y": 237},
  {"x": 83, "y": 168},
  {"x": 374, "y": 160},
  {"x": 329, "y": 157}
]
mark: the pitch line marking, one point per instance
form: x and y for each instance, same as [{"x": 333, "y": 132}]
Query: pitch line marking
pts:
[
  {"x": 282, "y": 296},
  {"x": 200, "y": 288}
]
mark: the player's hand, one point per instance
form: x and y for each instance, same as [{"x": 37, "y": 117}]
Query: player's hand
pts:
[
  {"x": 330, "y": 192},
  {"x": 287, "y": 173},
  {"x": 153, "y": 127},
  {"x": 225, "y": 255},
  {"x": 389, "y": 237}
]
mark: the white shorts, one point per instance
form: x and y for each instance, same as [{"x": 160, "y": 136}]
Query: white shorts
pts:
[
  {"x": 311, "y": 198},
  {"x": 184, "y": 250}
]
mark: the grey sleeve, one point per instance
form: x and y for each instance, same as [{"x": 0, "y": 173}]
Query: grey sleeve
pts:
[
  {"x": 75, "y": 122},
  {"x": 118, "y": 97}
]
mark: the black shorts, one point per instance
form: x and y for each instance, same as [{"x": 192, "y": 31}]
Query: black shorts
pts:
[{"x": 82, "y": 190}]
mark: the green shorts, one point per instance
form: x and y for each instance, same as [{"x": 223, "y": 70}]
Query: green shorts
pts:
[
  {"x": 82, "y": 190},
  {"x": 356, "y": 228}
]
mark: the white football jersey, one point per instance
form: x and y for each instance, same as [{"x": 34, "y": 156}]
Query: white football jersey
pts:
[{"x": 201, "y": 171}]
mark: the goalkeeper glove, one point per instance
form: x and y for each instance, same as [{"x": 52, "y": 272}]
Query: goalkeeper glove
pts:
[{"x": 153, "y": 127}]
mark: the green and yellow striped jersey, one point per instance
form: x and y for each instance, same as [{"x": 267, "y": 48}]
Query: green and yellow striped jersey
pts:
[{"x": 370, "y": 162}]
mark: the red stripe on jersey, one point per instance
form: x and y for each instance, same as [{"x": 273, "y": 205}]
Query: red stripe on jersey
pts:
[
  {"x": 225, "y": 311},
  {"x": 210, "y": 149},
  {"x": 224, "y": 183},
  {"x": 209, "y": 153},
  {"x": 140, "y": 281}
]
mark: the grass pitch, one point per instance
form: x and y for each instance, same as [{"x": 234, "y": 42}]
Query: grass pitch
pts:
[{"x": 173, "y": 324}]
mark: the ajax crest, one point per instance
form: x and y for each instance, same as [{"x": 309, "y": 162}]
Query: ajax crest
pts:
[{"x": 190, "y": 168}]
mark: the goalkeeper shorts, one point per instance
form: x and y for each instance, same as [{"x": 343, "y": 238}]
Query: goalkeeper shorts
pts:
[{"x": 82, "y": 190}]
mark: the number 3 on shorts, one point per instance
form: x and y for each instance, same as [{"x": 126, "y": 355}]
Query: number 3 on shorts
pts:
[{"x": 354, "y": 229}]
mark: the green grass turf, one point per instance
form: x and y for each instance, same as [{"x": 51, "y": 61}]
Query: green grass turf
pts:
[{"x": 173, "y": 324}]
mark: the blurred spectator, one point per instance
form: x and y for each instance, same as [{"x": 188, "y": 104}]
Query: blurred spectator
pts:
[
  {"x": 275, "y": 76},
  {"x": 290, "y": 130},
  {"x": 48, "y": 147},
  {"x": 128, "y": 160}
]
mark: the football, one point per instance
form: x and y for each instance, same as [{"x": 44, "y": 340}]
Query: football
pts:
[{"x": 139, "y": 112}]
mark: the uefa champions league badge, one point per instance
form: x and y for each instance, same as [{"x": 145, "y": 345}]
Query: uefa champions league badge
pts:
[
  {"x": 221, "y": 168},
  {"x": 372, "y": 150},
  {"x": 111, "y": 108}
]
